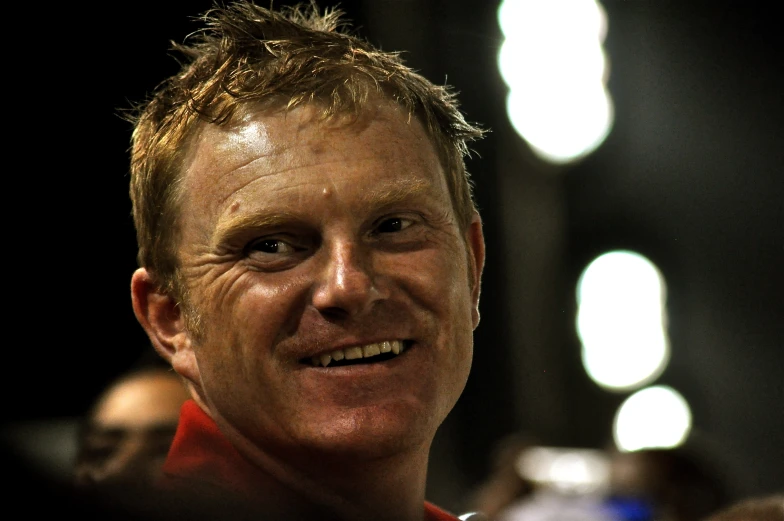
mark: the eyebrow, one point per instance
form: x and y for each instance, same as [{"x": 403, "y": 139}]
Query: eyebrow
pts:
[
  {"x": 232, "y": 226},
  {"x": 396, "y": 193},
  {"x": 381, "y": 197}
]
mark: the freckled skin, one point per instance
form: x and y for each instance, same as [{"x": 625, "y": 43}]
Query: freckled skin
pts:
[{"x": 301, "y": 237}]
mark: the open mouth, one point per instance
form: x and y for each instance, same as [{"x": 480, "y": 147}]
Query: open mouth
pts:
[{"x": 367, "y": 354}]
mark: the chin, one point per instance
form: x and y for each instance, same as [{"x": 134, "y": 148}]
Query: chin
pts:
[{"x": 369, "y": 436}]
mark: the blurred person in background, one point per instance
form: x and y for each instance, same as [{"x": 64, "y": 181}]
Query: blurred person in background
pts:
[
  {"x": 521, "y": 485},
  {"x": 504, "y": 484},
  {"x": 674, "y": 484},
  {"x": 764, "y": 508},
  {"x": 125, "y": 436},
  {"x": 667, "y": 484}
]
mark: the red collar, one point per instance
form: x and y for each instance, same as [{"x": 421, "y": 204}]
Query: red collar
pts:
[
  {"x": 434, "y": 513},
  {"x": 201, "y": 453}
]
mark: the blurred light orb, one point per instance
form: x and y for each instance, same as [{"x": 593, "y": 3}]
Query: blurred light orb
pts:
[
  {"x": 563, "y": 131},
  {"x": 555, "y": 66},
  {"x": 622, "y": 320},
  {"x": 568, "y": 470},
  {"x": 656, "y": 417}
]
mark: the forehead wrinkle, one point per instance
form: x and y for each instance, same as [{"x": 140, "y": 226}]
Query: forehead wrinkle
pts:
[
  {"x": 258, "y": 177},
  {"x": 242, "y": 166}
]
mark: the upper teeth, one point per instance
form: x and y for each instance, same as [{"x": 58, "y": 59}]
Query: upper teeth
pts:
[{"x": 366, "y": 351}]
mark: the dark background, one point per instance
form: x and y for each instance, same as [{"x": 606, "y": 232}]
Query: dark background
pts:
[{"x": 690, "y": 176}]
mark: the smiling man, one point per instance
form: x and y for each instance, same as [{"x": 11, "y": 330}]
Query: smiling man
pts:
[{"x": 310, "y": 263}]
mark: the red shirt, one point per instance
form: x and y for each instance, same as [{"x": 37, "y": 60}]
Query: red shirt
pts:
[{"x": 199, "y": 451}]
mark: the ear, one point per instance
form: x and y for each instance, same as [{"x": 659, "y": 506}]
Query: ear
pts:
[
  {"x": 161, "y": 317},
  {"x": 475, "y": 240}
]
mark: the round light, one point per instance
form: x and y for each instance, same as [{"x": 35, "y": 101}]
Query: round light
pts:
[{"x": 654, "y": 417}]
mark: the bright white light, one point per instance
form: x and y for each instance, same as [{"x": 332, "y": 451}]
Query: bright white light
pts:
[
  {"x": 654, "y": 417},
  {"x": 622, "y": 321},
  {"x": 566, "y": 469},
  {"x": 554, "y": 64},
  {"x": 567, "y": 127},
  {"x": 536, "y": 63},
  {"x": 588, "y": 18}
]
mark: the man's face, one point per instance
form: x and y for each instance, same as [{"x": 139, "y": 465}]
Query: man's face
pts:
[
  {"x": 303, "y": 241},
  {"x": 129, "y": 433}
]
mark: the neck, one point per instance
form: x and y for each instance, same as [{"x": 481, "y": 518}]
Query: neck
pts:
[
  {"x": 291, "y": 481},
  {"x": 345, "y": 488}
]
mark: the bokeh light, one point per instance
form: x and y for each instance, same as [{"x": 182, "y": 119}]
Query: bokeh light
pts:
[
  {"x": 553, "y": 61},
  {"x": 652, "y": 418},
  {"x": 622, "y": 320}
]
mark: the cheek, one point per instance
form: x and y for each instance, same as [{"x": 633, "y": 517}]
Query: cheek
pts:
[
  {"x": 439, "y": 281},
  {"x": 440, "y": 287},
  {"x": 450, "y": 288},
  {"x": 259, "y": 304},
  {"x": 236, "y": 354},
  {"x": 243, "y": 323},
  {"x": 271, "y": 306}
]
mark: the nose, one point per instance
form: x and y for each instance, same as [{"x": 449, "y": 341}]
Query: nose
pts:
[{"x": 348, "y": 284}]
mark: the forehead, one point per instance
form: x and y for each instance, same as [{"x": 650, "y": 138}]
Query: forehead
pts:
[
  {"x": 382, "y": 145},
  {"x": 264, "y": 130}
]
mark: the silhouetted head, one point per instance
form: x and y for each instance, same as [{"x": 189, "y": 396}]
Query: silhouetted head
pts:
[{"x": 127, "y": 432}]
